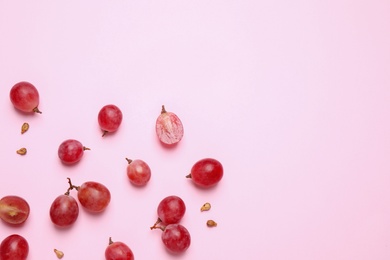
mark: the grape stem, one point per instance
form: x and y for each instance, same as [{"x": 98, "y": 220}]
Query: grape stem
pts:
[
  {"x": 163, "y": 110},
  {"x": 189, "y": 176},
  {"x": 104, "y": 133},
  {"x": 36, "y": 110},
  {"x": 71, "y": 187},
  {"x": 85, "y": 148},
  {"x": 110, "y": 241},
  {"x": 129, "y": 160},
  {"x": 155, "y": 225}
]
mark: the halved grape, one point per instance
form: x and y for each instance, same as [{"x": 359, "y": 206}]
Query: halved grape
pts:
[
  {"x": 169, "y": 128},
  {"x": 14, "y": 209}
]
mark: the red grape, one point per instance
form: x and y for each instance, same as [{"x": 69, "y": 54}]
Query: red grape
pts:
[
  {"x": 64, "y": 210},
  {"x": 138, "y": 172},
  {"x": 93, "y": 196},
  {"x": 206, "y": 172},
  {"x": 14, "y": 247},
  {"x": 25, "y": 97},
  {"x": 169, "y": 128},
  {"x": 71, "y": 151},
  {"x": 176, "y": 238},
  {"x": 118, "y": 251},
  {"x": 109, "y": 118},
  {"x": 14, "y": 210},
  {"x": 171, "y": 210}
]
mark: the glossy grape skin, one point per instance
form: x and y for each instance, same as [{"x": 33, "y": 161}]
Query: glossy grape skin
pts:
[
  {"x": 171, "y": 209},
  {"x": 93, "y": 196},
  {"x": 25, "y": 97},
  {"x": 169, "y": 128},
  {"x": 118, "y": 251},
  {"x": 206, "y": 172},
  {"x": 14, "y": 210},
  {"x": 64, "y": 211},
  {"x": 14, "y": 247},
  {"x": 71, "y": 151},
  {"x": 176, "y": 238},
  {"x": 138, "y": 172},
  {"x": 109, "y": 118}
]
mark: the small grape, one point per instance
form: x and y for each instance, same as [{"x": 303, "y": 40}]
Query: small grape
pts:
[
  {"x": 206, "y": 172},
  {"x": 71, "y": 151},
  {"x": 138, "y": 172},
  {"x": 14, "y": 247},
  {"x": 25, "y": 97},
  {"x": 169, "y": 128},
  {"x": 14, "y": 210},
  {"x": 118, "y": 251},
  {"x": 109, "y": 118},
  {"x": 93, "y": 196},
  {"x": 170, "y": 210},
  {"x": 176, "y": 238},
  {"x": 64, "y": 210}
]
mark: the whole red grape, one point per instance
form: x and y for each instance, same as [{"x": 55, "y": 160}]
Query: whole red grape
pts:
[
  {"x": 176, "y": 238},
  {"x": 171, "y": 209},
  {"x": 138, "y": 172},
  {"x": 25, "y": 97},
  {"x": 118, "y": 251},
  {"x": 206, "y": 172},
  {"x": 14, "y": 247},
  {"x": 93, "y": 196},
  {"x": 14, "y": 209},
  {"x": 71, "y": 151},
  {"x": 64, "y": 210},
  {"x": 109, "y": 118},
  {"x": 169, "y": 128}
]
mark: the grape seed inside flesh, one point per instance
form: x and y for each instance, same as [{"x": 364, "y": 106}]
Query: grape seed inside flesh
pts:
[
  {"x": 171, "y": 209},
  {"x": 93, "y": 196},
  {"x": 71, "y": 151},
  {"x": 109, "y": 118},
  {"x": 118, "y": 251},
  {"x": 25, "y": 97},
  {"x": 14, "y": 210},
  {"x": 64, "y": 211},
  {"x": 176, "y": 238},
  {"x": 14, "y": 247},
  {"x": 138, "y": 172},
  {"x": 169, "y": 128},
  {"x": 206, "y": 172}
]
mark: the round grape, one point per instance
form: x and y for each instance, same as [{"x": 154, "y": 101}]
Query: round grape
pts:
[
  {"x": 64, "y": 211},
  {"x": 171, "y": 209},
  {"x": 176, "y": 238},
  {"x": 206, "y": 172},
  {"x": 14, "y": 247},
  {"x": 109, "y": 118},
  {"x": 169, "y": 128},
  {"x": 93, "y": 196},
  {"x": 71, "y": 151},
  {"x": 25, "y": 97},
  {"x": 118, "y": 251},
  {"x": 14, "y": 210},
  {"x": 138, "y": 172}
]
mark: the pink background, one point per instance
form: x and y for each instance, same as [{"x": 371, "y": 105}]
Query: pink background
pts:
[{"x": 292, "y": 97}]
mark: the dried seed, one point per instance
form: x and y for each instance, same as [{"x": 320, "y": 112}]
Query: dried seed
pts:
[
  {"x": 22, "y": 151},
  {"x": 59, "y": 253},
  {"x": 25, "y": 127},
  {"x": 205, "y": 207},
  {"x": 211, "y": 223}
]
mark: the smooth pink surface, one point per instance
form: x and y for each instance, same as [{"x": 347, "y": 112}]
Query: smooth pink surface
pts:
[{"x": 292, "y": 97}]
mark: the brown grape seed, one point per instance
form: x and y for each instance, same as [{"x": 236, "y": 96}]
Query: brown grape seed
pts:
[
  {"x": 25, "y": 127},
  {"x": 205, "y": 207},
  {"x": 211, "y": 223},
  {"x": 59, "y": 253},
  {"x": 22, "y": 151}
]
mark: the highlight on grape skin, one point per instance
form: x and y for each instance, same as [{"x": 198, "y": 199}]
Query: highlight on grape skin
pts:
[
  {"x": 25, "y": 97},
  {"x": 14, "y": 210},
  {"x": 138, "y": 172},
  {"x": 169, "y": 127},
  {"x": 71, "y": 151},
  {"x": 118, "y": 250},
  {"x": 14, "y": 247},
  {"x": 206, "y": 172}
]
